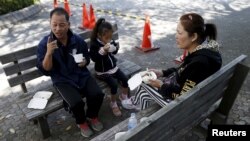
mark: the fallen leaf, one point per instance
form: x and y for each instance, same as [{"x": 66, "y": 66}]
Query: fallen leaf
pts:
[
  {"x": 68, "y": 128},
  {"x": 9, "y": 115},
  {"x": 12, "y": 131}
]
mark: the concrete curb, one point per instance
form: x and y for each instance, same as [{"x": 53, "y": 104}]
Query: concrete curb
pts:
[{"x": 8, "y": 20}]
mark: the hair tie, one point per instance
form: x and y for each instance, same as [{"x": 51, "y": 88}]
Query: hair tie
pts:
[{"x": 190, "y": 17}]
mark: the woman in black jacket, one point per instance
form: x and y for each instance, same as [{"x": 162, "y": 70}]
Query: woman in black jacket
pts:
[{"x": 203, "y": 60}]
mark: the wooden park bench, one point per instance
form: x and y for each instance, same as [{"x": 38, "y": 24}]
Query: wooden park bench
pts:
[
  {"x": 20, "y": 67},
  {"x": 212, "y": 98}
]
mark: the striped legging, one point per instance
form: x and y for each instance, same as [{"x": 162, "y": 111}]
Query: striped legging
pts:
[{"x": 145, "y": 94}]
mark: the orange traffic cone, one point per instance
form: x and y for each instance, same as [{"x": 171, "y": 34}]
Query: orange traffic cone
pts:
[
  {"x": 91, "y": 17},
  {"x": 85, "y": 18},
  {"x": 181, "y": 58},
  {"x": 66, "y": 7},
  {"x": 55, "y": 4},
  {"x": 147, "y": 42}
]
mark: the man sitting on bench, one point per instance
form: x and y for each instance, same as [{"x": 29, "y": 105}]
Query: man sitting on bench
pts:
[
  {"x": 203, "y": 60},
  {"x": 63, "y": 56}
]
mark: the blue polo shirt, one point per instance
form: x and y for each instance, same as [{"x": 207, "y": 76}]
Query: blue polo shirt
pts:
[{"x": 65, "y": 69}]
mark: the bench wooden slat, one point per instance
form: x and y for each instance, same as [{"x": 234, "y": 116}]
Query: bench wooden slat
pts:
[
  {"x": 7, "y": 58},
  {"x": 126, "y": 65},
  {"x": 13, "y": 69},
  {"x": 24, "y": 77},
  {"x": 15, "y": 56},
  {"x": 115, "y": 27},
  {"x": 26, "y": 53},
  {"x": 115, "y": 36},
  {"x": 15, "y": 81},
  {"x": 133, "y": 69},
  {"x": 85, "y": 34}
]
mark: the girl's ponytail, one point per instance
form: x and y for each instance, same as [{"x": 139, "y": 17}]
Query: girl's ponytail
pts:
[
  {"x": 210, "y": 31},
  {"x": 95, "y": 30}
]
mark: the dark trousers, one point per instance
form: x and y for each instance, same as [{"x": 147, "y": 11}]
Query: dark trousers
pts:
[
  {"x": 73, "y": 97},
  {"x": 110, "y": 79}
]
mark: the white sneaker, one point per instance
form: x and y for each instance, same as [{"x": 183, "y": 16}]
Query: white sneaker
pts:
[
  {"x": 127, "y": 103},
  {"x": 136, "y": 107}
]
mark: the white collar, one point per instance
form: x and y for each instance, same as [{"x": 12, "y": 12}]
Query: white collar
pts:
[{"x": 100, "y": 41}]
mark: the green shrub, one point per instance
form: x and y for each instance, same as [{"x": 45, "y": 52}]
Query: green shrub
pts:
[{"x": 7, "y": 6}]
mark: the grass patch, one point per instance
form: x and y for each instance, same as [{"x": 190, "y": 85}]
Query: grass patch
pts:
[{"x": 7, "y": 6}]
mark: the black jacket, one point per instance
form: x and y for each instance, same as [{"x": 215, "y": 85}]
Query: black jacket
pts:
[
  {"x": 64, "y": 69},
  {"x": 196, "y": 67},
  {"x": 106, "y": 62}
]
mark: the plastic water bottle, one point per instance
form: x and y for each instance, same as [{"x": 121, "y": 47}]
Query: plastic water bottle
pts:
[{"x": 132, "y": 122}]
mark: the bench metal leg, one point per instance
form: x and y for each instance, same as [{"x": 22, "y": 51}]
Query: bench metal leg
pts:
[{"x": 44, "y": 126}]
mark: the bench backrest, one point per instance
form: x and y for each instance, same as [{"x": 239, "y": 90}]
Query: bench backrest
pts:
[
  {"x": 189, "y": 109},
  {"x": 20, "y": 66}
]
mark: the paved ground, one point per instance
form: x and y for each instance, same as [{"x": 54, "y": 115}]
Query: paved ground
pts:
[{"x": 231, "y": 17}]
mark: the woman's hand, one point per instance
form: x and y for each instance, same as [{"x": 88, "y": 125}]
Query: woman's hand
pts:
[
  {"x": 158, "y": 73},
  {"x": 155, "y": 83}
]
